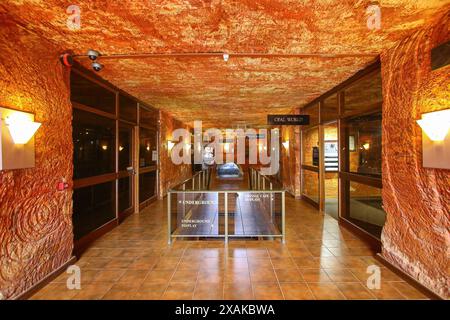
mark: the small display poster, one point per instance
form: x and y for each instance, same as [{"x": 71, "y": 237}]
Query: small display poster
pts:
[
  {"x": 154, "y": 155},
  {"x": 315, "y": 156}
]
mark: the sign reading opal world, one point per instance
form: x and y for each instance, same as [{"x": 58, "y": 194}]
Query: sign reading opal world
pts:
[{"x": 288, "y": 119}]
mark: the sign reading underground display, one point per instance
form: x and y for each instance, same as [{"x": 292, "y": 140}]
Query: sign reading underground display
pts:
[{"x": 197, "y": 216}]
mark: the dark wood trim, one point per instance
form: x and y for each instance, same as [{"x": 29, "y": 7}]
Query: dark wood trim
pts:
[
  {"x": 46, "y": 280},
  {"x": 123, "y": 174},
  {"x": 374, "y": 243},
  {"x": 147, "y": 202},
  {"x": 310, "y": 168},
  {"x": 126, "y": 122},
  {"x": 310, "y": 201},
  {"x": 125, "y": 214},
  {"x": 98, "y": 112},
  {"x": 360, "y": 74},
  {"x": 371, "y": 181},
  {"x": 81, "y": 245},
  {"x": 86, "y": 182},
  {"x": 81, "y": 70},
  {"x": 147, "y": 169},
  {"x": 375, "y": 108},
  {"x": 413, "y": 282}
]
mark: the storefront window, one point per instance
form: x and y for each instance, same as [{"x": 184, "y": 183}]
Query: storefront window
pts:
[{"x": 364, "y": 145}]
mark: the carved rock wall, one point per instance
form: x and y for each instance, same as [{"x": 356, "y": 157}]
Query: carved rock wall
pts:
[
  {"x": 35, "y": 219},
  {"x": 417, "y": 200},
  {"x": 290, "y": 159},
  {"x": 170, "y": 173}
]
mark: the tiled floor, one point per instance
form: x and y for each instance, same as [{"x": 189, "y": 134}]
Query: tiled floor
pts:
[{"x": 320, "y": 260}]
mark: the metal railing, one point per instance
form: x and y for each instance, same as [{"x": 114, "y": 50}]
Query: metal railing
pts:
[{"x": 195, "y": 211}]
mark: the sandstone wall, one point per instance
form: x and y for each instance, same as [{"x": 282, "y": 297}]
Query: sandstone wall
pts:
[
  {"x": 35, "y": 219},
  {"x": 417, "y": 200},
  {"x": 170, "y": 174}
]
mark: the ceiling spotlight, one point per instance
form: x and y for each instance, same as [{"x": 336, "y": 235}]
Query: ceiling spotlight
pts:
[
  {"x": 97, "y": 66},
  {"x": 226, "y": 56},
  {"x": 93, "y": 54}
]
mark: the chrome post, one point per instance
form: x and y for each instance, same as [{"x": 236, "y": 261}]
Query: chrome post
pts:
[
  {"x": 283, "y": 217},
  {"x": 226, "y": 216},
  {"x": 184, "y": 199},
  {"x": 271, "y": 202},
  {"x": 168, "y": 219}
]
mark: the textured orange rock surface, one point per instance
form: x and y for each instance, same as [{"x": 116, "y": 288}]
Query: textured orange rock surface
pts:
[
  {"x": 417, "y": 200},
  {"x": 35, "y": 219},
  {"x": 208, "y": 88},
  {"x": 170, "y": 174},
  {"x": 290, "y": 159}
]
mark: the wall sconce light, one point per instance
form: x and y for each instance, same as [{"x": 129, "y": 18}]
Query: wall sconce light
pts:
[
  {"x": 435, "y": 139},
  {"x": 120, "y": 148},
  {"x": 286, "y": 144},
  {"x": 105, "y": 147},
  {"x": 17, "y": 129},
  {"x": 21, "y": 127},
  {"x": 366, "y": 146},
  {"x": 435, "y": 124}
]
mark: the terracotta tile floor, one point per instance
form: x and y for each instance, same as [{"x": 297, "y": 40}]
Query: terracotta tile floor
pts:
[{"x": 320, "y": 260}]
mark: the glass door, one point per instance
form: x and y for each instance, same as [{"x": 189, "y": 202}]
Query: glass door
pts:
[
  {"x": 331, "y": 169},
  {"x": 148, "y": 156},
  {"x": 127, "y": 170},
  {"x": 310, "y": 165}
]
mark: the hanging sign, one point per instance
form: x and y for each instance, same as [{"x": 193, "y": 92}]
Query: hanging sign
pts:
[{"x": 288, "y": 119}]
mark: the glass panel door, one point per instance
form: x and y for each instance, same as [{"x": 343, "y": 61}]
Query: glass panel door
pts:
[
  {"x": 148, "y": 154},
  {"x": 331, "y": 169},
  {"x": 310, "y": 165},
  {"x": 126, "y": 170}
]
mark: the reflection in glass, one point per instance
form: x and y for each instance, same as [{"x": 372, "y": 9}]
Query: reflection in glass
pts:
[
  {"x": 364, "y": 95},
  {"x": 331, "y": 177},
  {"x": 310, "y": 146},
  {"x": 252, "y": 213},
  {"x": 92, "y": 207},
  {"x": 125, "y": 194},
  {"x": 91, "y": 94},
  {"x": 310, "y": 184},
  {"x": 127, "y": 108},
  {"x": 365, "y": 208},
  {"x": 147, "y": 146},
  {"x": 147, "y": 185},
  {"x": 148, "y": 117},
  {"x": 125, "y": 147},
  {"x": 364, "y": 152},
  {"x": 94, "y": 144},
  {"x": 313, "y": 113},
  {"x": 196, "y": 214},
  {"x": 329, "y": 109}
]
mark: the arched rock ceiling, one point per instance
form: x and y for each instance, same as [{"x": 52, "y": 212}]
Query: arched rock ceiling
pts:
[{"x": 242, "y": 89}]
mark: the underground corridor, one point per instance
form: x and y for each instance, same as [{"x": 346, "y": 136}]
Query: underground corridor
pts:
[{"x": 224, "y": 150}]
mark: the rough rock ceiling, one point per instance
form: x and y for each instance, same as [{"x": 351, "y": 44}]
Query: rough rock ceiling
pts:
[{"x": 208, "y": 88}]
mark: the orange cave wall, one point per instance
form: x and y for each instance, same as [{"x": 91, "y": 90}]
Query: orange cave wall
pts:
[
  {"x": 417, "y": 200},
  {"x": 170, "y": 174},
  {"x": 290, "y": 160},
  {"x": 35, "y": 219}
]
